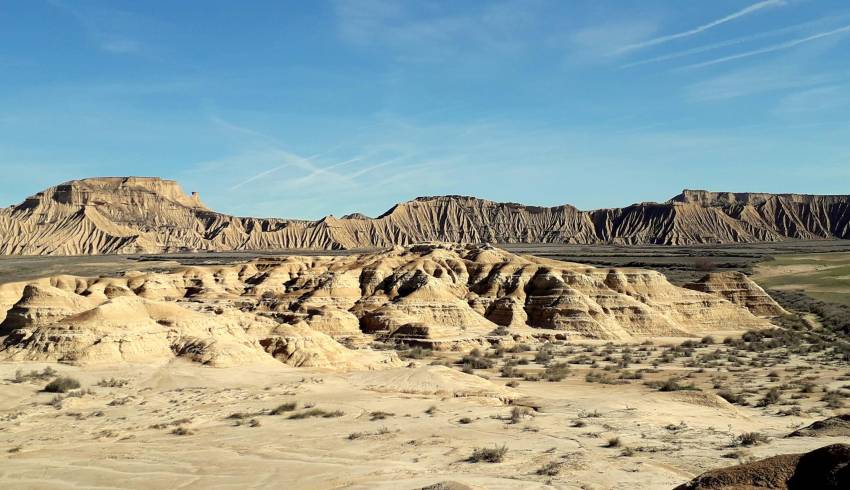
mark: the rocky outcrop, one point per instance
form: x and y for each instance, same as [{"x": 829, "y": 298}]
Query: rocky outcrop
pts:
[
  {"x": 140, "y": 215},
  {"x": 827, "y": 468},
  {"x": 837, "y": 426},
  {"x": 298, "y": 309},
  {"x": 741, "y": 290}
]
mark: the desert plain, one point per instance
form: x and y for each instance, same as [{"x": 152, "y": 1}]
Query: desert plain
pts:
[{"x": 431, "y": 366}]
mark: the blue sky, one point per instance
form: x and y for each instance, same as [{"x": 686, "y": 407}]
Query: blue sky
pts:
[{"x": 308, "y": 108}]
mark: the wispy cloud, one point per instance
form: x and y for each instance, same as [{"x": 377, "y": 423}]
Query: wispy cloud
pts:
[
  {"x": 757, "y": 79},
  {"x": 417, "y": 32},
  {"x": 724, "y": 44},
  {"x": 592, "y": 43},
  {"x": 828, "y": 98},
  {"x": 113, "y": 31},
  {"x": 770, "y": 49},
  {"x": 697, "y": 30}
]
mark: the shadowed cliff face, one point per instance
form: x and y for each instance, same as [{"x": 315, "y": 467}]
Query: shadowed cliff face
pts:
[{"x": 151, "y": 215}]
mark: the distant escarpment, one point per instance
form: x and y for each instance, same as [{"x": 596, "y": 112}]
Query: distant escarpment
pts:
[{"x": 151, "y": 215}]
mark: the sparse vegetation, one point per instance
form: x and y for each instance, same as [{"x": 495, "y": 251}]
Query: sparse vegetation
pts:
[
  {"x": 283, "y": 408},
  {"x": 316, "y": 412},
  {"x": 62, "y": 384},
  {"x": 750, "y": 439},
  {"x": 488, "y": 455}
]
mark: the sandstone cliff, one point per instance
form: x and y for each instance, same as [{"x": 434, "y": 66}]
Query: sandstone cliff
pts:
[{"x": 140, "y": 215}]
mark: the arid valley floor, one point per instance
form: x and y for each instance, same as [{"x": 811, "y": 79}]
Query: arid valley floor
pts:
[{"x": 407, "y": 405}]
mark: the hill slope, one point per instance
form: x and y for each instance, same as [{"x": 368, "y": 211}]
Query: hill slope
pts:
[{"x": 147, "y": 214}]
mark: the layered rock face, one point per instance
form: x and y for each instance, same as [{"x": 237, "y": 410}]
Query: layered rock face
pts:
[
  {"x": 301, "y": 310},
  {"x": 137, "y": 215},
  {"x": 739, "y": 289}
]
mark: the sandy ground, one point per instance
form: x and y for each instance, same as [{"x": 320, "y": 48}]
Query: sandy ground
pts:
[{"x": 124, "y": 437}]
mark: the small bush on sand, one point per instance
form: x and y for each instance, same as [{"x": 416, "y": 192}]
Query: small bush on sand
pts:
[
  {"x": 316, "y": 412},
  {"x": 551, "y": 468},
  {"x": 62, "y": 384},
  {"x": 750, "y": 439},
  {"x": 284, "y": 407},
  {"x": 556, "y": 372},
  {"x": 494, "y": 454},
  {"x": 613, "y": 442},
  {"x": 517, "y": 413}
]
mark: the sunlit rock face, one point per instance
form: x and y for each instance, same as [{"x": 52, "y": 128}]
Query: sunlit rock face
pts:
[
  {"x": 148, "y": 214},
  {"x": 301, "y": 310}
]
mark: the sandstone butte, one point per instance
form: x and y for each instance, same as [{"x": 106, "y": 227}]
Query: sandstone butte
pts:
[
  {"x": 152, "y": 215},
  {"x": 328, "y": 311}
]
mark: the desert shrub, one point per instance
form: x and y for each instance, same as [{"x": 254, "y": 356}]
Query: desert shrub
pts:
[
  {"x": 112, "y": 383},
  {"x": 807, "y": 387},
  {"x": 631, "y": 375},
  {"x": 833, "y": 399},
  {"x": 772, "y": 396},
  {"x": 593, "y": 415},
  {"x": 46, "y": 373},
  {"x": 512, "y": 383},
  {"x": 416, "y": 353},
  {"x": 284, "y": 407},
  {"x": 501, "y": 330},
  {"x": 750, "y": 439},
  {"x": 379, "y": 415},
  {"x": 494, "y": 454},
  {"x": 62, "y": 384},
  {"x": 613, "y": 442},
  {"x": 476, "y": 362},
  {"x": 544, "y": 355},
  {"x": 736, "y": 398},
  {"x": 465, "y": 420},
  {"x": 182, "y": 431},
  {"x": 707, "y": 340},
  {"x": 556, "y": 372},
  {"x": 517, "y": 413},
  {"x": 551, "y": 468},
  {"x": 516, "y": 349},
  {"x": 431, "y": 410},
  {"x": 674, "y": 385},
  {"x": 316, "y": 412},
  {"x": 579, "y": 423},
  {"x": 603, "y": 378},
  {"x": 793, "y": 411}
]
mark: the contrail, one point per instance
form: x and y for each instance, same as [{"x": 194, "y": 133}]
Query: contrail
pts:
[
  {"x": 741, "y": 13},
  {"x": 724, "y": 44},
  {"x": 259, "y": 176},
  {"x": 770, "y": 49}
]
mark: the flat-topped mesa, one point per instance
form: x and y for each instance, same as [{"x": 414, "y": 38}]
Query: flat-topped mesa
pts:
[
  {"x": 710, "y": 199},
  {"x": 110, "y": 191},
  {"x": 145, "y": 214}
]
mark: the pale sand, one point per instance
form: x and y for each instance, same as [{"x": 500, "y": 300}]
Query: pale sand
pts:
[{"x": 94, "y": 442}]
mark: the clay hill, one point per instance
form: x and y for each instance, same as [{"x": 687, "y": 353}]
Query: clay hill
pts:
[
  {"x": 327, "y": 311},
  {"x": 151, "y": 215}
]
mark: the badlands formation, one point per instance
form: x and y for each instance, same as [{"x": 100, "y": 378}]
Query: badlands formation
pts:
[
  {"x": 301, "y": 310},
  {"x": 430, "y": 365},
  {"x": 151, "y": 215}
]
